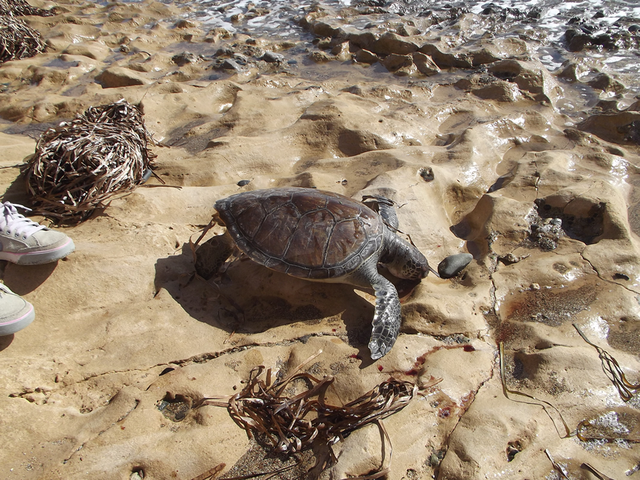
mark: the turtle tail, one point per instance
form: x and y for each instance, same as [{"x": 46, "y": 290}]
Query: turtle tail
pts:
[{"x": 387, "y": 318}]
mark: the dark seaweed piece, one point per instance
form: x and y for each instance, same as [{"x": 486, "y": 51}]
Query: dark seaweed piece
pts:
[
  {"x": 613, "y": 371},
  {"x": 22, "y": 8},
  {"x": 293, "y": 424},
  {"x": 18, "y": 40},
  {"x": 79, "y": 165}
]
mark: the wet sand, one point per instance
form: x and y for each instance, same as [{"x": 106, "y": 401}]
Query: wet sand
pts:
[{"x": 546, "y": 203}]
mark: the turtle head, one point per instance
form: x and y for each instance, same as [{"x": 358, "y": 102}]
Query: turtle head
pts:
[
  {"x": 411, "y": 267},
  {"x": 403, "y": 259}
]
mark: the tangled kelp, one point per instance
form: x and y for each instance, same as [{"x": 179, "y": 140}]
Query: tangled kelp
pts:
[
  {"x": 613, "y": 371},
  {"x": 18, "y": 40},
  {"x": 296, "y": 423},
  {"x": 78, "y": 165},
  {"x": 21, "y": 7}
]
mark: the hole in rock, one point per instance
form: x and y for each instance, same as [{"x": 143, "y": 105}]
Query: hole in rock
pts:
[
  {"x": 175, "y": 408},
  {"x": 137, "y": 473},
  {"x": 585, "y": 226},
  {"x": 513, "y": 448}
]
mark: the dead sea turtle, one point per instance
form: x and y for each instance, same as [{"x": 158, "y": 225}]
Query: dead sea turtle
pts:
[{"x": 321, "y": 236}]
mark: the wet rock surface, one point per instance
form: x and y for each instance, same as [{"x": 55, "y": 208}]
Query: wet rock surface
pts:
[{"x": 501, "y": 145}]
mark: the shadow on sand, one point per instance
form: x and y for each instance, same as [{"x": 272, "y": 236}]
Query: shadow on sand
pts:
[{"x": 249, "y": 298}]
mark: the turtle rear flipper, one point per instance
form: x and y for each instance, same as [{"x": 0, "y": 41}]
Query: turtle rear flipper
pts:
[
  {"x": 212, "y": 254},
  {"x": 385, "y": 207}
]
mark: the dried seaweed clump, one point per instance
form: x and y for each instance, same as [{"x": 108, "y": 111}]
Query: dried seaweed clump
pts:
[
  {"x": 295, "y": 423},
  {"x": 21, "y": 8},
  {"x": 78, "y": 165},
  {"x": 17, "y": 39}
]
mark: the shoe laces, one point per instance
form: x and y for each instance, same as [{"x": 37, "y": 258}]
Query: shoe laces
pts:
[
  {"x": 4, "y": 290},
  {"x": 12, "y": 222}
]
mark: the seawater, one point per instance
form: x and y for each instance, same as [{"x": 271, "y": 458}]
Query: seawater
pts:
[
  {"x": 542, "y": 24},
  {"x": 544, "y": 21}
]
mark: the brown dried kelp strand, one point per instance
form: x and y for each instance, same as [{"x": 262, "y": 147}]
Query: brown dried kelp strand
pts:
[
  {"x": 583, "y": 426},
  {"x": 79, "y": 165},
  {"x": 613, "y": 371},
  {"x": 21, "y": 8},
  {"x": 212, "y": 473},
  {"x": 293, "y": 424},
  {"x": 267, "y": 475},
  {"x": 598, "y": 474},
  {"x": 560, "y": 468},
  {"x": 18, "y": 40},
  {"x": 541, "y": 403}
]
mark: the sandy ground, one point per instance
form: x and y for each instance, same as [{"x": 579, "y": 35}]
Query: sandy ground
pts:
[{"x": 123, "y": 324}]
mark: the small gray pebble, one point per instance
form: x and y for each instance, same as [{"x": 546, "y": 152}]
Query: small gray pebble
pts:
[
  {"x": 454, "y": 264},
  {"x": 229, "y": 64},
  {"x": 273, "y": 57},
  {"x": 426, "y": 173}
]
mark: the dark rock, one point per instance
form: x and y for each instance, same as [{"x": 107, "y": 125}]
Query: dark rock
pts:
[
  {"x": 272, "y": 57},
  {"x": 185, "y": 58},
  {"x": 483, "y": 57},
  {"x": 395, "y": 62},
  {"x": 229, "y": 64},
  {"x": 323, "y": 29},
  {"x": 320, "y": 57},
  {"x": 454, "y": 264},
  {"x": 425, "y": 64},
  {"x": 607, "y": 106},
  {"x": 499, "y": 90},
  {"x": 184, "y": 24},
  {"x": 617, "y": 127},
  {"x": 225, "y": 52},
  {"x": 390, "y": 43},
  {"x": 363, "y": 40},
  {"x": 446, "y": 60},
  {"x": 240, "y": 59},
  {"x": 365, "y": 56},
  {"x": 572, "y": 71},
  {"x": 426, "y": 173},
  {"x": 341, "y": 51},
  {"x": 607, "y": 84}
]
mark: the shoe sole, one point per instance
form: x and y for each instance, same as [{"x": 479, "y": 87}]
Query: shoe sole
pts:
[
  {"x": 39, "y": 257},
  {"x": 17, "y": 324}
]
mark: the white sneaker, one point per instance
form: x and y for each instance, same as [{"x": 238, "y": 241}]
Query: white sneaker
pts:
[
  {"x": 26, "y": 242},
  {"x": 15, "y": 312}
]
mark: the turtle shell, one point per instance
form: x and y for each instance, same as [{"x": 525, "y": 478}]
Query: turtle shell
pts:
[{"x": 304, "y": 232}]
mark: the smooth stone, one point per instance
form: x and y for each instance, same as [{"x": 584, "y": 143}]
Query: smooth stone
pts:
[
  {"x": 454, "y": 264},
  {"x": 272, "y": 57}
]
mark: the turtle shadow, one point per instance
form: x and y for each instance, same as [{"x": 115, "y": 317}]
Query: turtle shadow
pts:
[{"x": 249, "y": 298}]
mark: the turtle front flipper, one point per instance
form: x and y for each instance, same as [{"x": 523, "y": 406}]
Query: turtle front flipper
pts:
[{"x": 387, "y": 318}]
